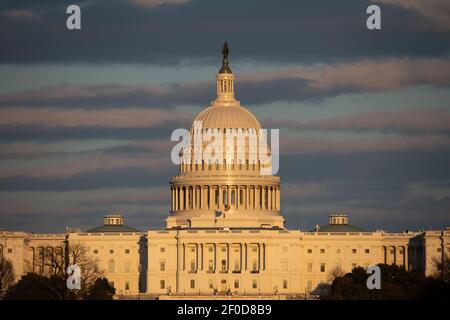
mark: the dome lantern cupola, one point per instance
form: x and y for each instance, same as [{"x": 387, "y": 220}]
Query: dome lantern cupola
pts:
[
  {"x": 229, "y": 189},
  {"x": 225, "y": 80}
]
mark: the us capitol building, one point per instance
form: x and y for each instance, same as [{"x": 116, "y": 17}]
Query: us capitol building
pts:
[{"x": 225, "y": 235}]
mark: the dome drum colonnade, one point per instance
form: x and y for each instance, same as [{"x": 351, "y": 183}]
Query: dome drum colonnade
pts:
[{"x": 234, "y": 185}]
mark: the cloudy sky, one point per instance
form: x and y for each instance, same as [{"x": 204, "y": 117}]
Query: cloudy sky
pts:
[{"x": 86, "y": 116}]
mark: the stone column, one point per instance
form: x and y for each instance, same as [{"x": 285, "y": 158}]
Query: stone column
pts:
[
  {"x": 245, "y": 257},
  {"x": 220, "y": 198},
  {"x": 269, "y": 200},
  {"x": 278, "y": 199},
  {"x": 263, "y": 198},
  {"x": 247, "y": 197},
  {"x": 210, "y": 197},
  {"x": 182, "y": 195},
  {"x": 257, "y": 198},
  {"x": 405, "y": 257}
]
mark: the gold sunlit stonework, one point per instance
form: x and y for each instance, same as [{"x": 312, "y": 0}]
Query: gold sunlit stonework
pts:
[{"x": 225, "y": 235}]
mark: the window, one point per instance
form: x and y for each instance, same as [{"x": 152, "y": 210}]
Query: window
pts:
[
  {"x": 111, "y": 266},
  {"x": 192, "y": 284},
  {"x": 309, "y": 267},
  {"x": 111, "y": 251},
  {"x": 192, "y": 249},
  {"x": 192, "y": 265},
  {"x": 353, "y": 250},
  {"x": 162, "y": 266},
  {"x": 236, "y": 284},
  {"x": 284, "y": 265},
  {"x": 367, "y": 251},
  {"x": 309, "y": 250},
  {"x": 285, "y": 284},
  {"x": 210, "y": 265},
  {"x": 255, "y": 249},
  {"x": 224, "y": 249},
  {"x": 354, "y": 265},
  {"x": 224, "y": 265},
  {"x": 439, "y": 249},
  {"x": 127, "y": 251},
  {"x": 211, "y": 249},
  {"x": 9, "y": 250},
  {"x": 211, "y": 283},
  {"x": 127, "y": 267},
  {"x": 322, "y": 267},
  {"x": 162, "y": 284},
  {"x": 322, "y": 250},
  {"x": 255, "y": 266},
  {"x": 236, "y": 265},
  {"x": 127, "y": 286},
  {"x": 255, "y": 284},
  {"x": 95, "y": 251}
]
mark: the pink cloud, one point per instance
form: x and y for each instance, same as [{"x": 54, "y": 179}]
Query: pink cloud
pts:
[
  {"x": 303, "y": 190},
  {"x": 155, "y": 3},
  {"x": 385, "y": 143},
  {"x": 416, "y": 119},
  {"x": 117, "y": 118},
  {"x": 22, "y": 14},
  {"x": 437, "y": 11},
  {"x": 368, "y": 75}
]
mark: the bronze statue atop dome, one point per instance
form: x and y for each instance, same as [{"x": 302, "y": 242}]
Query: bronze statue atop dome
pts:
[
  {"x": 225, "y": 68},
  {"x": 225, "y": 50}
]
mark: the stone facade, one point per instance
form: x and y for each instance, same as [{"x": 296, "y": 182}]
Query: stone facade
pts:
[{"x": 225, "y": 232}]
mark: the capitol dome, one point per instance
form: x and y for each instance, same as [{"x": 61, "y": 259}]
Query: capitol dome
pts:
[
  {"x": 227, "y": 117},
  {"x": 225, "y": 178}
]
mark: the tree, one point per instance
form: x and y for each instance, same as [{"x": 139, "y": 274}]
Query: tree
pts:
[
  {"x": 335, "y": 272},
  {"x": 101, "y": 290},
  {"x": 443, "y": 267},
  {"x": 52, "y": 284},
  {"x": 396, "y": 283},
  {"x": 6, "y": 276},
  {"x": 76, "y": 254},
  {"x": 33, "y": 286}
]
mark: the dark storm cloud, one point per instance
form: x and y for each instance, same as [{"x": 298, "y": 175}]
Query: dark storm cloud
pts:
[
  {"x": 98, "y": 97},
  {"x": 115, "y": 178},
  {"x": 373, "y": 188},
  {"x": 263, "y": 30},
  {"x": 39, "y": 133},
  {"x": 408, "y": 122},
  {"x": 372, "y": 167},
  {"x": 284, "y": 84}
]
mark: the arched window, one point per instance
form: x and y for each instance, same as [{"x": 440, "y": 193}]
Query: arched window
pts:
[
  {"x": 111, "y": 266},
  {"x": 255, "y": 265},
  {"x": 210, "y": 265},
  {"x": 216, "y": 192},
  {"x": 225, "y": 197},
  {"x": 224, "y": 265}
]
